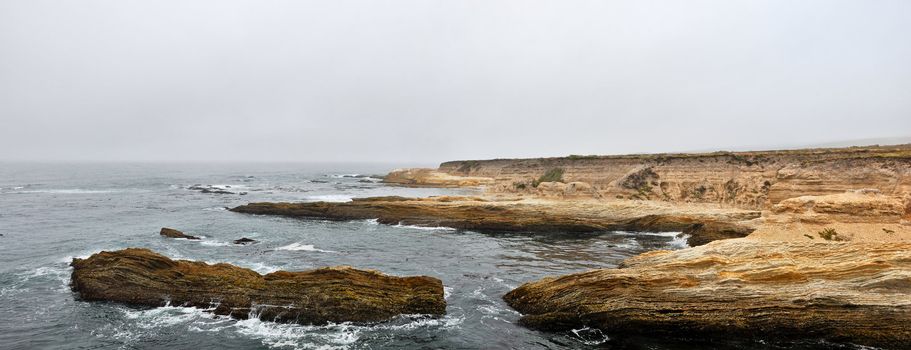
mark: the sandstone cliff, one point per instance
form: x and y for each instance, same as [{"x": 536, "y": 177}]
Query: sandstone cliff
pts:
[
  {"x": 743, "y": 179},
  {"x": 844, "y": 292}
]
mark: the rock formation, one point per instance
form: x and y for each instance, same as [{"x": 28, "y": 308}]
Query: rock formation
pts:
[
  {"x": 431, "y": 178},
  {"x": 172, "y": 233},
  {"x": 335, "y": 294},
  {"x": 702, "y": 223},
  {"x": 753, "y": 180},
  {"x": 846, "y": 292},
  {"x": 244, "y": 241}
]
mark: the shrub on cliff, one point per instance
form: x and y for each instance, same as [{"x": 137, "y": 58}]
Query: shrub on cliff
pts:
[{"x": 552, "y": 175}]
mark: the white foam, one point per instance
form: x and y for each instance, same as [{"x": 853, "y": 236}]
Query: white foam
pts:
[
  {"x": 425, "y": 228},
  {"x": 70, "y": 191},
  {"x": 590, "y": 336},
  {"x": 680, "y": 241},
  {"x": 298, "y": 246},
  {"x": 660, "y": 234},
  {"x": 261, "y": 268},
  {"x": 330, "y": 198},
  {"x": 339, "y": 176},
  {"x": 215, "y": 244},
  {"x": 271, "y": 334}
]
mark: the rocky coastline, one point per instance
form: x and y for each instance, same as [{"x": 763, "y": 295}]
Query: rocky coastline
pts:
[{"x": 785, "y": 244}]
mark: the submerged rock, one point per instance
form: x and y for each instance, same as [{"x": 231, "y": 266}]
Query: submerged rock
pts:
[
  {"x": 845, "y": 292},
  {"x": 209, "y": 189},
  {"x": 244, "y": 241},
  {"x": 333, "y": 294},
  {"x": 172, "y": 233}
]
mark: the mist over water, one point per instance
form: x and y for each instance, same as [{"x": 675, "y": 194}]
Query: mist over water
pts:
[{"x": 50, "y": 213}]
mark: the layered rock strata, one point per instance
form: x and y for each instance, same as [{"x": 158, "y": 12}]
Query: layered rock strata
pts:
[
  {"x": 755, "y": 180},
  {"x": 703, "y": 224},
  {"x": 334, "y": 294},
  {"x": 844, "y": 292}
]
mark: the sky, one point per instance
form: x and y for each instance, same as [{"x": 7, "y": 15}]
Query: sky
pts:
[{"x": 430, "y": 81}]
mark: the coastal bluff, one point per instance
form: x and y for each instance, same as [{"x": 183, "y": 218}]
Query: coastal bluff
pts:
[{"x": 752, "y": 180}]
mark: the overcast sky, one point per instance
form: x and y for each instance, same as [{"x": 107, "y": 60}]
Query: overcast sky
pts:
[{"x": 429, "y": 81}]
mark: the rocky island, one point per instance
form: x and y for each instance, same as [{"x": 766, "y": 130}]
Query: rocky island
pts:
[
  {"x": 333, "y": 294},
  {"x": 809, "y": 243}
]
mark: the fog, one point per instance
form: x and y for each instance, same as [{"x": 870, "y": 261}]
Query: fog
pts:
[{"x": 430, "y": 81}]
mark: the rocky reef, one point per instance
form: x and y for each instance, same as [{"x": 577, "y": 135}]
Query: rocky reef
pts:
[
  {"x": 702, "y": 224},
  {"x": 845, "y": 292},
  {"x": 334, "y": 294}
]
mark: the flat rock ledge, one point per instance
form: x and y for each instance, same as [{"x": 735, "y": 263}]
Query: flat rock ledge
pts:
[
  {"x": 334, "y": 294},
  {"x": 485, "y": 215},
  {"x": 846, "y": 292}
]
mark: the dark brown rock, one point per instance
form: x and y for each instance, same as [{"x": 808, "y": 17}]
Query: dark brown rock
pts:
[
  {"x": 244, "y": 241},
  {"x": 334, "y": 294},
  {"x": 172, "y": 233}
]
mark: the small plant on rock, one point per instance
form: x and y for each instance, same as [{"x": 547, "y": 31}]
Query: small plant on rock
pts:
[
  {"x": 552, "y": 175},
  {"x": 830, "y": 234}
]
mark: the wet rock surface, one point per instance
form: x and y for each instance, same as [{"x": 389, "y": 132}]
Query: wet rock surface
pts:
[
  {"x": 244, "y": 241},
  {"x": 172, "y": 233},
  {"x": 334, "y": 294}
]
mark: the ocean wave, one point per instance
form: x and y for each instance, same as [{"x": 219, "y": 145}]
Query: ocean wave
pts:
[
  {"x": 270, "y": 334},
  {"x": 215, "y": 243},
  {"x": 680, "y": 241},
  {"x": 69, "y": 191},
  {"x": 659, "y": 234},
  {"x": 330, "y": 198},
  {"x": 590, "y": 336},
  {"x": 298, "y": 246},
  {"x": 425, "y": 228}
]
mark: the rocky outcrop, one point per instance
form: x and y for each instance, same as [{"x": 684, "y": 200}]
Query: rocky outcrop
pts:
[
  {"x": 172, "y": 233},
  {"x": 752, "y": 180},
  {"x": 244, "y": 241},
  {"x": 844, "y": 292},
  {"x": 853, "y": 206},
  {"x": 335, "y": 294},
  {"x": 525, "y": 215},
  {"x": 431, "y": 178}
]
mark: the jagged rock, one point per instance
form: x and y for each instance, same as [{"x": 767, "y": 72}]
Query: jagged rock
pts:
[
  {"x": 209, "y": 189},
  {"x": 334, "y": 294},
  {"x": 845, "y": 292},
  {"x": 537, "y": 215},
  {"x": 244, "y": 241},
  {"x": 172, "y": 233}
]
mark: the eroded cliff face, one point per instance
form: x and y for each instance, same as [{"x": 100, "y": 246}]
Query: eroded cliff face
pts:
[
  {"x": 845, "y": 292},
  {"x": 755, "y": 180}
]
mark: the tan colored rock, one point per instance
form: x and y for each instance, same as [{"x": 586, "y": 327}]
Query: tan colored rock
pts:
[
  {"x": 431, "y": 178},
  {"x": 703, "y": 223},
  {"x": 845, "y": 292},
  {"x": 336, "y": 294},
  {"x": 853, "y": 206},
  {"x": 750, "y": 180}
]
